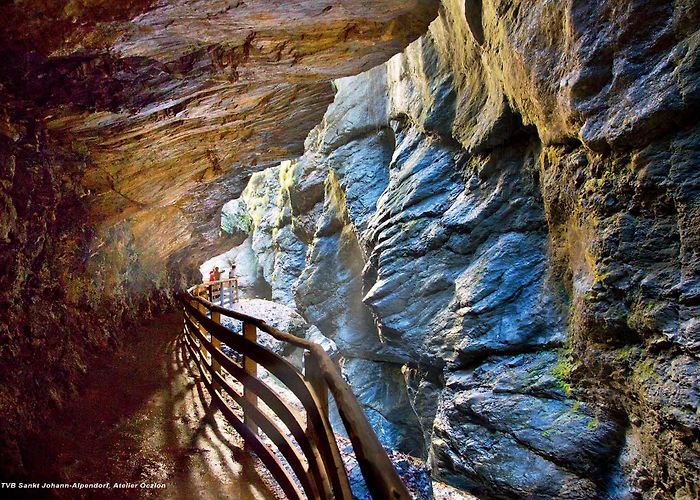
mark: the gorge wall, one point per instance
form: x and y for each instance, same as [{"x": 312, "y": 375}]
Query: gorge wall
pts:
[
  {"x": 498, "y": 230},
  {"x": 62, "y": 300}
]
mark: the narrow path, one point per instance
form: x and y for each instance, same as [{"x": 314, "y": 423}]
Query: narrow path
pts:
[{"x": 143, "y": 418}]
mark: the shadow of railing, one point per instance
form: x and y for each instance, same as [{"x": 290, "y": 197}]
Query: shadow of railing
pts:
[{"x": 299, "y": 448}]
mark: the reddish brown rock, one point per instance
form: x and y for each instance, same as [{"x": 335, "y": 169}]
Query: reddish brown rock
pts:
[{"x": 164, "y": 99}]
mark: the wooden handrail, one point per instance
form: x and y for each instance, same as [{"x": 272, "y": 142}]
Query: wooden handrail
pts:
[
  {"x": 294, "y": 380},
  {"x": 251, "y": 438},
  {"x": 326, "y": 477}
]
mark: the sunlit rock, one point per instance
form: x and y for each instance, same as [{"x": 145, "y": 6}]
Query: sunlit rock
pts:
[
  {"x": 235, "y": 219},
  {"x": 164, "y": 98},
  {"x": 499, "y": 224},
  {"x": 124, "y": 128}
]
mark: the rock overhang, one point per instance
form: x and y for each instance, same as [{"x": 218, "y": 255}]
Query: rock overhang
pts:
[{"x": 173, "y": 104}]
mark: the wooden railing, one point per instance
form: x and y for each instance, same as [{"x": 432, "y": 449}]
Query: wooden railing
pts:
[
  {"x": 315, "y": 460},
  {"x": 217, "y": 291}
]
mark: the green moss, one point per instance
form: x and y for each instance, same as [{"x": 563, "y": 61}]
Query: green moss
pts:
[
  {"x": 645, "y": 370},
  {"x": 592, "y": 185},
  {"x": 598, "y": 275},
  {"x": 411, "y": 224},
  {"x": 480, "y": 270},
  {"x": 80, "y": 148},
  {"x": 231, "y": 224},
  {"x": 562, "y": 370},
  {"x": 594, "y": 423},
  {"x": 625, "y": 353}
]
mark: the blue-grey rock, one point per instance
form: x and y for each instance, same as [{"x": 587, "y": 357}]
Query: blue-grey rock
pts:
[
  {"x": 508, "y": 210},
  {"x": 523, "y": 435},
  {"x": 235, "y": 219}
]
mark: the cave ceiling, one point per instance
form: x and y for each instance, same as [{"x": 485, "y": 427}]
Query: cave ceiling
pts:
[{"x": 174, "y": 103}]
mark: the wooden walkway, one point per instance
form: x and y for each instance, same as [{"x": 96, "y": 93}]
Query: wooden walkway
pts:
[
  {"x": 143, "y": 418},
  {"x": 305, "y": 459}
]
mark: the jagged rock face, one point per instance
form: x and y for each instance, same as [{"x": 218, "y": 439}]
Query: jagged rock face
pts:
[
  {"x": 471, "y": 260},
  {"x": 521, "y": 187},
  {"x": 307, "y": 249},
  {"x": 455, "y": 273},
  {"x": 501, "y": 222},
  {"x": 511, "y": 409}
]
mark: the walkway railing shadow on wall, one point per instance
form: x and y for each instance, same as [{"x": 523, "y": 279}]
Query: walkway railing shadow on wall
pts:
[{"x": 309, "y": 447}]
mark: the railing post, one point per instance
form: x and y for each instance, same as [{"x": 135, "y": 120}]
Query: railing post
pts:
[
  {"x": 251, "y": 368},
  {"x": 317, "y": 383},
  {"x": 221, "y": 294},
  {"x": 216, "y": 343},
  {"x": 202, "y": 308},
  {"x": 319, "y": 388}
]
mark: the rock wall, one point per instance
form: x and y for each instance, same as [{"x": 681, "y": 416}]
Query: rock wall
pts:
[
  {"x": 501, "y": 224},
  {"x": 175, "y": 103},
  {"x": 68, "y": 291}
]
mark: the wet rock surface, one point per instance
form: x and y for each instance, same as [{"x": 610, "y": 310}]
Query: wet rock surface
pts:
[
  {"x": 509, "y": 211},
  {"x": 380, "y": 388},
  {"x": 530, "y": 437}
]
